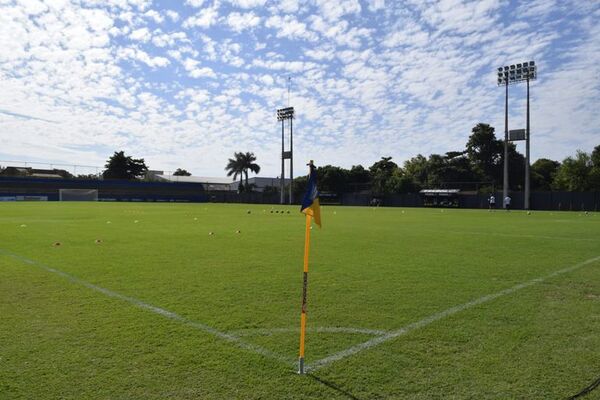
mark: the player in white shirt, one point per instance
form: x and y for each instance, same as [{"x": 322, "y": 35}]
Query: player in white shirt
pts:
[
  {"x": 492, "y": 202},
  {"x": 507, "y": 203}
]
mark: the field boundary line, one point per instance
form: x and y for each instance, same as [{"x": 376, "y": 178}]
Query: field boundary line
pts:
[
  {"x": 438, "y": 316},
  {"x": 156, "y": 310}
]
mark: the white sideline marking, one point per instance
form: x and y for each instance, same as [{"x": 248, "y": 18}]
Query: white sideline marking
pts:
[
  {"x": 435, "y": 317},
  {"x": 324, "y": 329},
  {"x": 157, "y": 310}
]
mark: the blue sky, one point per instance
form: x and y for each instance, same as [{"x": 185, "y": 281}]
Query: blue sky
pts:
[{"x": 185, "y": 84}]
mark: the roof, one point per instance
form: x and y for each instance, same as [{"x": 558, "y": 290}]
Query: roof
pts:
[
  {"x": 439, "y": 192},
  {"x": 195, "y": 179},
  {"x": 42, "y": 175}
]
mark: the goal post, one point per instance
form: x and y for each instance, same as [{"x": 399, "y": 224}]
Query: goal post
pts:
[{"x": 78, "y": 194}]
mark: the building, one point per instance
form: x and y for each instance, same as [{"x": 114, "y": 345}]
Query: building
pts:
[
  {"x": 219, "y": 184},
  {"x": 258, "y": 184},
  {"x": 35, "y": 172}
]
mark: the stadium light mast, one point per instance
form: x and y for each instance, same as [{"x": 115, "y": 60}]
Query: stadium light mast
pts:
[
  {"x": 508, "y": 75},
  {"x": 284, "y": 114}
]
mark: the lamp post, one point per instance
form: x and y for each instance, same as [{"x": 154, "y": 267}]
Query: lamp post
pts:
[
  {"x": 284, "y": 114},
  {"x": 508, "y": 75}
]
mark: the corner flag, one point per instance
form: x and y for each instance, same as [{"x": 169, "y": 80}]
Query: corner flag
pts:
[
  {"x": 312, "y": 209},
  {"x": 310, "y": 202}
]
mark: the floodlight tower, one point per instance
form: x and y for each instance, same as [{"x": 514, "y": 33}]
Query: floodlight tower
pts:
[
  {"x": 284, "y": 114},
  {"x": 508, "y": 75}
]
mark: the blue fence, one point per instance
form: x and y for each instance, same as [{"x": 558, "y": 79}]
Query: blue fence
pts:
[
  {"x": 108, "y": 190},
  {"x": 118, "y": 190}
]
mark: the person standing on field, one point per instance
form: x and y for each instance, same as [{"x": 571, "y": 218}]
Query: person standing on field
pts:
[
  {"x": 492, "y": 201},
  {"x": 507, "y": 203}
]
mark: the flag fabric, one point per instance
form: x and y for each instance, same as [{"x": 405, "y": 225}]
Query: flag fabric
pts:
[{"x": 310, "y": 202}]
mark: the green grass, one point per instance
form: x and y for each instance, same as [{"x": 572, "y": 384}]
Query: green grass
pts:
[{"x": 379, "y": 269}]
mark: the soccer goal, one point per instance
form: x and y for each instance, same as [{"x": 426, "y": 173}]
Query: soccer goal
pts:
[{"x": 78, "y": 194}]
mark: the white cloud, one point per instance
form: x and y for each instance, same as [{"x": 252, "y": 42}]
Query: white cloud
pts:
[
  {"x": 160, "y": 39},
  {"x": 334, "y": 10},
  {"x": 239, "y": 22},
  {"x": 215, "y": 90},
  {"x": 140, "y": 55},
  {"x": 173, "y": 15},
  {"x": 248, "y": 3},
  {"x": 411, "y": 35},
  {"x": 320, "y": 54},
  {"x": 32, "y": 7},
  {"x": 142, "y": 35},
  {"x": 194, "y": 71},
  {"x": 204, "y": 19},
  {"x": 194, "y": 3},
  {"x": 291, "y": 66},
  {"x": 203, "y": 72},
  {"x": 154, "y": 15},
  {"x": 288, "y": 6},
  {"x": 289, "y": 27},
  {"x": 375, "y": 5}
]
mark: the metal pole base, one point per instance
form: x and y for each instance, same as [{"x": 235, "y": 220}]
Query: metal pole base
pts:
[{"x": 301, "y": 368}]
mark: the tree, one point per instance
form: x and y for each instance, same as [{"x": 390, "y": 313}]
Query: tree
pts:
[
  {"x": 516, "y": 167},
  {"x": 416, "y": 169},
  {"x": 358, "y": 178},
  {"x": 240, "y": 165},
  {"x": 120, "y": 166},
  {"x": 300, "y": 185},
  {"x": 595, "y": 172},
  {"x": 332, "y": 179},
  {"x": 381, "y": 173},
  {"x": 486, "y": 153},
  {"x": 574, "y": 173},
  {"x": 181, "y": 172},
  {"x": 88, "y": 176},
  {"x": 596, "y": 157},
  {"x": 542, "y": 173},
  {"x": 399, "y": 182}
]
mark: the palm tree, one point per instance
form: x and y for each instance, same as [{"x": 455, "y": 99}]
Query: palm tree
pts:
[{"x": 240, "y": 164}]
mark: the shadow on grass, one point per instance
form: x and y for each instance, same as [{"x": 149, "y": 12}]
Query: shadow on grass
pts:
[{"x": 333, "y": 386}]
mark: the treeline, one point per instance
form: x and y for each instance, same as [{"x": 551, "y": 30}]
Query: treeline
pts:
[{"x": 479, "y": 166}]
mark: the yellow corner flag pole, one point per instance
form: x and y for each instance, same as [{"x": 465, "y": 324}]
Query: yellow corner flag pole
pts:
[{"x": 304, "y": 290}]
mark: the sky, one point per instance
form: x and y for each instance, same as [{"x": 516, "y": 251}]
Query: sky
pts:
[{"x": 185, "y": 84}]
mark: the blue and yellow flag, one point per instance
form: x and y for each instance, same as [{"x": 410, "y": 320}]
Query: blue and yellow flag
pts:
[{"x": 310, "y": 202}]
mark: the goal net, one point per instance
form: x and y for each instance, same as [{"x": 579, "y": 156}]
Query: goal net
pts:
[{"x": 78, "y": 194}]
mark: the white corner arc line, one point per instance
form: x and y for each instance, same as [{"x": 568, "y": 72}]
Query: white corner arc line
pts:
[
  {"x": 158, "y": 310},
  {"x": 317, "y": 329},
  {"x": 438, "y": 316}
]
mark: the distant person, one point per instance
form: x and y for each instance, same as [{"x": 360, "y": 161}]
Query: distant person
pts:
[
  {"x": 492, "y": 202},
  {"x": 507, "y": 203}
]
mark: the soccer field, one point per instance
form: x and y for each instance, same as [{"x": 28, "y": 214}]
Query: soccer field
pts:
[{"x": 128, "y": 301}]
